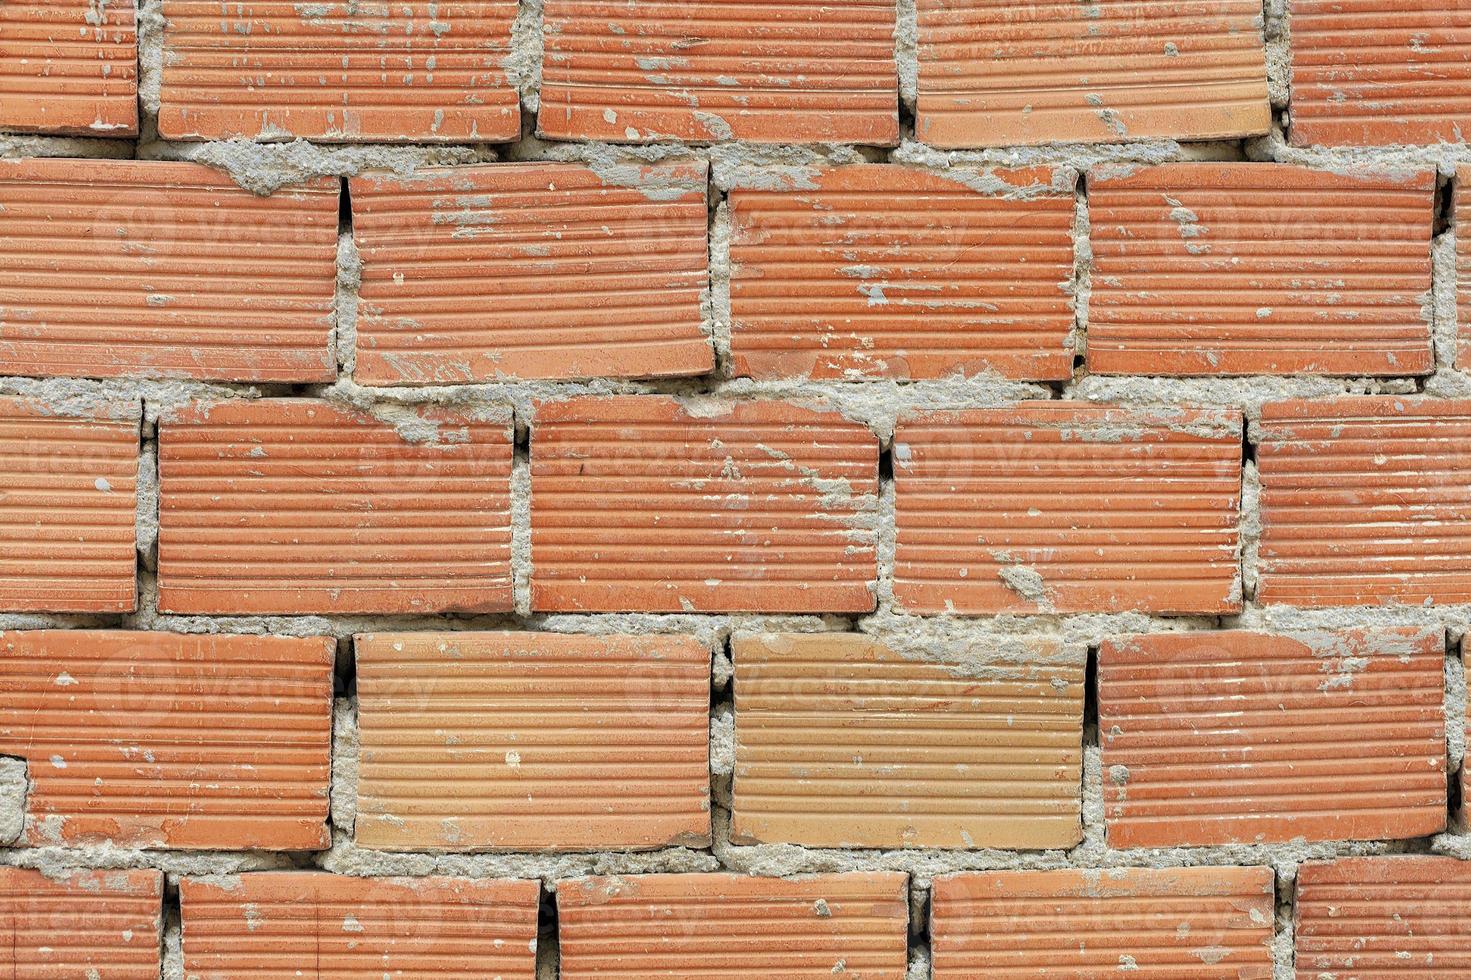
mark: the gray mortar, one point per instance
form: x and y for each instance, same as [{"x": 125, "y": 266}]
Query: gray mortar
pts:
[
  {"x": 521, "y": 533},
  {"x": 1440, "y": 309},
  {"x": 1251, "y": 528},
  {"x": 719, "y": 315},
  {"x": 1277, "y": 33},
  {"x": 151, "y": 24},
  {"x": 1366, "y": 161},
  {"x": 722, "y": 742},
  {"x": 173, "y": 947},
  {"x": 146, "y": 512},
  {"x": 15, "y": 787},
  {"x": 345, "y": 303},
  {"x": 344, "y": 792},
  {"x": 523, "y": 64},
  {"x": 1248, "y": 394},
  {"x": 117, "y": 399},
  {"x": 22, "y": 146},
  {"x": 51, "y": 860},
  {"x": 906, "y": 54}
]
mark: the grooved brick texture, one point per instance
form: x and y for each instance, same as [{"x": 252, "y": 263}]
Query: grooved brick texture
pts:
[
  {"x": 168, "y": 740},
  {"x": 1234, "y": 737},
  {"x": 69, "y": 66},
  {"x": 844, "y": 742},
  {"x": 338, "y": 71},
  {"x": 767, "y": 71},
  {"x": 1058, "y": 71},
  {"x": 733, "y": 927},
  {"x": 531, "y": 270},
  {"x": 1401, "y": 917},
  {"x": 121, "y": 268},
  {"x": 1379, "y": 72},
  {"x": 276, "y": 924},
  {"x": 884, "y": 271},
  {"x": 1054, "y": 507},
  {"x": 68, "y": 486},
  {"x": 80, "y": 923},
  {"x": 645, "y": 504},
  {"x": 1205, "y": 923},
  {"x": 299, "y": 506},
  {"x": 550, "y": 742},
  {"x": 1360, "y": 501},
  {"x": 1257, "y": 268}
]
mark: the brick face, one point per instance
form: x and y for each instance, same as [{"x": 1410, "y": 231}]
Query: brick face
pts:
[
  {"x": 890, "y": 272},
  {"x": 76, "y": 923},
  {"x": 1254, "y": 268},
  {"x": 69, "y": 66}
]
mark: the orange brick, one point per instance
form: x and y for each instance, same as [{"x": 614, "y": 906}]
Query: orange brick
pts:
[
  {"x": 69, "y": 66},
  {"x": 843, "y": 742},
  {"x": 734, "y": 927},
  {"x": 1060, "y": 71},
  {"x": 883, "y": 271},
  {"x": 68, "y": 496},
  {"x": 551, "y": 742},
  {"x": 641, "y": 504},
  {"x": 1461, "y": 196},
  {"x": 1066, "y": 507},
  {"x": 1248, "y": 738},
  {"x": 1378, "y": 72},
  {"x": 1382, "y": 918},
  {"x": 170, "y": 740},
  {"x": 126, "y": 268},
  {"x": 75, "y": 923},
  {"x": 777, "y": 71},
  {"x": 1360, "y": 501},
  {"x": 1202, "y": 923},
  {"x": 533, "y": 271},
  {"x": 300, "y": 506},
  {"x": 299, "y": 923},
  {"x": 339, "y": 71},
  {"x": 1259, "y": 268}
]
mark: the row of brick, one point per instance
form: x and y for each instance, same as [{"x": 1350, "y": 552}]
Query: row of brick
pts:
[
  {"x": 1376, "y": 917},
  {"x": 644, "y": 503},
  {"x": 565, "y": 742},
  {"x": 557, "y": 271},
  {"x": 989, "y": 74}
]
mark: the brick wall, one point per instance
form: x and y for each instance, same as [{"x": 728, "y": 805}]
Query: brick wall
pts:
[{"x": 781, "y": 489}]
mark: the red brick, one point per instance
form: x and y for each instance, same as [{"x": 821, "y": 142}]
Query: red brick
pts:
[
  {"x": 1248, "y": 738},
  {"x": 1378, "y": 72},
  {"x": 170, "y": 740},
  {"x": 1199, "y": 923},
  {"x": 984, "y": 751},
  {"x": 299, "y": 923},
  {"x": 68, "y": 496},
  {"x": 551, "y": 742},
  {"x": 777, "y": 71},
  {"x": 1360, "y": 501},
  {"x": 1383, "y": 918},
  {"x": 75, "y": 923},
  {"x": 643, "y": 504},
  {"x": 734, "y": 927},
  {"x": 1461, "y": 196},
  {"x": 69, "y": 66},
  {"x": 1259, "y": 268},
  {"x": 339, "y": 71},
  {"x": 114, "y": 268},
  {"x": 300, "y": 506},
  {"x": 1060, "y": 71},
  {"x": 883, "y": 271},
  {"x": 533, "y": 271},
  {"x": 1067, "y": 507}
]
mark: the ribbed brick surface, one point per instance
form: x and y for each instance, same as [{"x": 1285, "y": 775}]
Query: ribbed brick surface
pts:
[
  {"x": 1207, "y": 923},
  {"x": 644, "y": 504},
  {"x": 296, "y": 506},
  {"x": 843, "y": 742},
  {"x": 532, "y": 271},
  {"x": 168, "y": 740},
  {"x": 1360, "y": 501},
  {"x": 882, "y": 271},
  {"x": 733, "y": 927},
  {"x": 78, "y": 923},
  {"x": 1005, "y": 73},
  {"x": 278, "y": 924},
  {"x": 774, "y": 71},
  {"x": 1047, "y": 507},
  {"x": 68, "y": 486},
  {"x": 1234, "y": 737},
  {"x": 551, "y": 742},
  {"x": 1383, "y": 918},
  {"x": 69, "y": 66},
  {"x": 149, "y": 269},
  {"x": 1379, "y": 72},
  {"x": 1255, "y": 268},
  {"x": 339, "y": 71}
]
